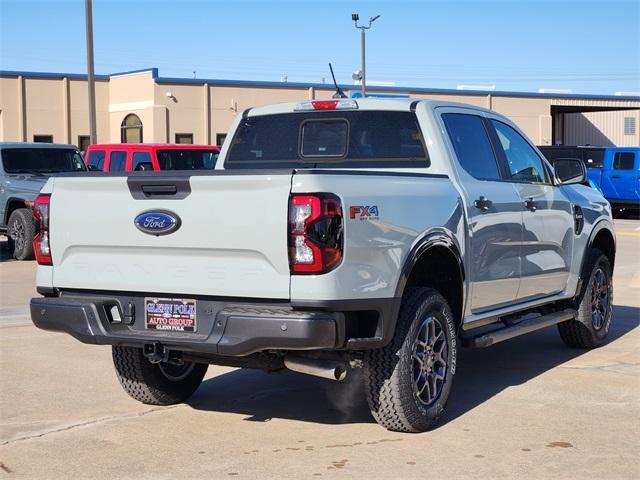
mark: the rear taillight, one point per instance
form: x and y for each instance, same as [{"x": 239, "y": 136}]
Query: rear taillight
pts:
[
  {"x": 41, "y": 245},
  {"x": 315, "y": 233}
]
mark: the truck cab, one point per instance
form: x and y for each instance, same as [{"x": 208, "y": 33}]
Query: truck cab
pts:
[{"x": 134, "y": 157}]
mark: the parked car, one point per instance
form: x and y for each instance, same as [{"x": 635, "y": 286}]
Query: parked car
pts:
[
  {"x": 333, "y": 234},
  {"x": 615, "y": 171},
  {"x": 24, "y": 169},
  {"x": 129, "y": 157}
]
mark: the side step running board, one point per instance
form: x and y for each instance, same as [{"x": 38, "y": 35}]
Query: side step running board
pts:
[{"x": 496, "y": 336}]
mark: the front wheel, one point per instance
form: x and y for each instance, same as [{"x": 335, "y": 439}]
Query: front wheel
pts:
[
  {"x": 408, "y": 382},
  {"x": 595, "y": 310},
  {"x": 156, "y": 384}
]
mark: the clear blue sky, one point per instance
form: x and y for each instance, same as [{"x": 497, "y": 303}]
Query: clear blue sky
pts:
[{"x": 522, "y": 45}]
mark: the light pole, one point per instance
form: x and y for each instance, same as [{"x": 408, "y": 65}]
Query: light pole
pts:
[
  {"x": 91, "y": 83},
  {"x": 355, "y": 17}
]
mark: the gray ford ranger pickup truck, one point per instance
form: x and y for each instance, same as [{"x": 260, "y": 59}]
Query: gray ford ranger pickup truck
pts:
[
  {"x": 24, "y": 169},
  {"x": 333, "y": 234}
]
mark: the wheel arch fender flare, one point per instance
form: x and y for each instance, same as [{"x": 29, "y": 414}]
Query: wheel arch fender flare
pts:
[
  {"x": 603, "y": 224},
  {"x": 435, "y": 237},
  {"x": 13, "y": 203}
]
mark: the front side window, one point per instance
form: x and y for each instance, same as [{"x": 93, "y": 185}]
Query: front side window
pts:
[
  {"x": 623, "y": 161},
  {"x": 142, "y": 161},
  {"x": 472, "y": 145},
  {"x": 96, "y": 159},
  {"x": 524, "y": 163},
  {"x": 376, "y": 139},
  {"x": 117, "y": 161},
  {"x": 41, "y": 160},
  {"x": 594, "y": 157}
]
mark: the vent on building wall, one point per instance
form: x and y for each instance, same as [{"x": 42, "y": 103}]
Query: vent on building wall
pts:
[{"x": 629, "y": 125}]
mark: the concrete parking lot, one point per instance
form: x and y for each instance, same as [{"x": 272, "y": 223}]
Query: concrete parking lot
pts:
[{"x": 528, "y": 408}]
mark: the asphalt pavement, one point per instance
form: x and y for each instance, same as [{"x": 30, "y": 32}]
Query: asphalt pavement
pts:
[{"x": 526, "y": 408}]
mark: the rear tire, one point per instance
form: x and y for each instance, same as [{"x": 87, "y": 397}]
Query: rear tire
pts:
[
  {"x": 595, "y": 310},
  {"x": 408, "y": 382},
  {"x": 20, "y": 232},
  {"x": 156, "y": 384}
]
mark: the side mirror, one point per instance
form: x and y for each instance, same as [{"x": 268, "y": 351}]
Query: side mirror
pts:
[
  {"x": 93, "y": 168},
  {"x": 569, "y": 171}
]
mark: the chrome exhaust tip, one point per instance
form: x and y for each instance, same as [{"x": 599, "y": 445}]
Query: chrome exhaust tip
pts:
[{"x": 331, "y": 369}]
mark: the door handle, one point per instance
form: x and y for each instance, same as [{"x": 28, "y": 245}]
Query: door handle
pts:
[
  {"x": 482, "y": 203},
  {"x": 615, "y": 176},
  {"x": 529, "y": 204}
]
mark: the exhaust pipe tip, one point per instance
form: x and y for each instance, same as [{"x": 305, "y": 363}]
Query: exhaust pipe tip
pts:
[{"x": 332, "y": 370}]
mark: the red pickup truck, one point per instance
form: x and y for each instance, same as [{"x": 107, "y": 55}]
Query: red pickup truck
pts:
[{"x": 128, "y": 157}]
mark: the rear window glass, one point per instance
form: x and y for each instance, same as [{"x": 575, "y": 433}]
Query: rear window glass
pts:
[
  {"x": 624, "y": 160},
  {"x": 337, "y": 139},
  {"x": 41, "y": 160},
  {"x": 188, "y": 159}
]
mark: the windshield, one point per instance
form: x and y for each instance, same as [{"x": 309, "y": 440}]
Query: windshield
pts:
[
  {"x": 331, "y": 138},
  {"x": 188, "y": 159},
  {"x": 41, "y": 160}
]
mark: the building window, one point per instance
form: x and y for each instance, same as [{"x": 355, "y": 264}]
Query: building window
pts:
[
  {"x": 131, "y": 129},
  {"x": 220, "y": 138},
  {"x": 629, "y": 125},
  {"x": 184, "y": 137},
  {"x": 43, "y": 138},
  {"x": 83, "y": 143}
]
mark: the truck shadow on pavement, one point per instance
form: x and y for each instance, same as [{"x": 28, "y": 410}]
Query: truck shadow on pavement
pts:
[{"x": 481, "y": 374}]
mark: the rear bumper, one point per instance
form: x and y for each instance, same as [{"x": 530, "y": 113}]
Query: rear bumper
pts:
[{"x": 223, "y": 327}]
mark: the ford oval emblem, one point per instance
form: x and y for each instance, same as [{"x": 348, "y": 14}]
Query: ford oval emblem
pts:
[{"x": 157, "y": 222}]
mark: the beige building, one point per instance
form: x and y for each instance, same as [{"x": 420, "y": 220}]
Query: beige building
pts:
[{"x": 141, "y": 106}]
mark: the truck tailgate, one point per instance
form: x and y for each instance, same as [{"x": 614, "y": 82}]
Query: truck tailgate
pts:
[{"x": 232, "y": 240}]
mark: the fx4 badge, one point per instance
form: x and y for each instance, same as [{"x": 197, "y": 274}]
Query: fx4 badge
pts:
[{"x": 364, "y": 212}]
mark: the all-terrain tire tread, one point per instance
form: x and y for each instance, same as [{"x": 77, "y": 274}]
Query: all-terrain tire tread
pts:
[
  {"x": 382, "y": 388},
  {"x": 144, "y": 382},
  {"x": 574, "y": 333}
]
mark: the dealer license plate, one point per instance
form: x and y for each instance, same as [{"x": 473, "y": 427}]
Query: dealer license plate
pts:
[{"x": 170, "y": 314}]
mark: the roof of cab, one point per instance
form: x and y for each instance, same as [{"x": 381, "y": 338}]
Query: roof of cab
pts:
[
  {"x": 168, "y": 146},
  {"x": 398, "y": 104},
  {"x": 36, "y": 145}
]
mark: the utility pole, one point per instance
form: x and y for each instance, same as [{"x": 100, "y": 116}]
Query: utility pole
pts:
[
  {"x": 91, "y": 82},
  {"x": 355, "y": 17}
]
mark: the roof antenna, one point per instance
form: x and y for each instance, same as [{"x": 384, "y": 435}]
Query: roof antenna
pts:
[{"x": 339, "y": 93}]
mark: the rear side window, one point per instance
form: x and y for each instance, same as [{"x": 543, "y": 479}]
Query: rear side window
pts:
[
  {"x": 472, "y": 145},
  {"x": 624, "y": 160},
  {"x": 336, "y": 139},
  {"x": 117, "y": 161},
  {"x": 142, "y": 161},
  {"x": 96, "y": 159}
]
